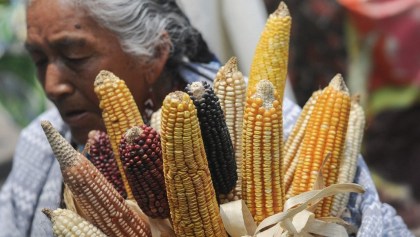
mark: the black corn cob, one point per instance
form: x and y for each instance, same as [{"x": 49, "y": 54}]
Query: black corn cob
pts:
[
  {"x": 141, "y": 156},
  {"x": 102, "y": 157},
  {"x": 217, "y": 142}
]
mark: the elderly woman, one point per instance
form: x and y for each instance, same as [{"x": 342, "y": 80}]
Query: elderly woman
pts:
[{"x": 151, "y": 45}]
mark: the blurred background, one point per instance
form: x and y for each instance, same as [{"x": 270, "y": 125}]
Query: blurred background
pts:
[
  {"x": 21, "y": 97},
  {"x": 374, "y": 44}
]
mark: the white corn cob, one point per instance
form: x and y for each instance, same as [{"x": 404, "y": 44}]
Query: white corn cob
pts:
[
  {"x": 155, "y": 120},
  {"x": 66, "y": 223},
  {"x": 230, "y": 87},
  {"x": 351, "y": 152}
]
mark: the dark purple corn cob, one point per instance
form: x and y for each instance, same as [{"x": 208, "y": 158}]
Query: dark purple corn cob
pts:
[
  {"x": 141, "y": 156},
  {"x": 216, "y": 138},
  {"x": 102, "y": 157}
]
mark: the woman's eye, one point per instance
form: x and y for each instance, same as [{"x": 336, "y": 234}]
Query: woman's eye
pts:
[
  {"x": 40, "y": 63},
  {"x": 39, "y": 59},
  {"x": 76, "y": 61}
]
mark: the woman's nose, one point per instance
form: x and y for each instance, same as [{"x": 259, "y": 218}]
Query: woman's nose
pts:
[{"x": 56, "y": 83}]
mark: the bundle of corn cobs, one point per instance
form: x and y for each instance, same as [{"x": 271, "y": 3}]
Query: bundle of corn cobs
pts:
[{"x": 207, "y": 146}]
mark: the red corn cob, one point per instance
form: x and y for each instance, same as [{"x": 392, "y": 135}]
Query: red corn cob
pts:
[
  {"x": 141, "y": 156},
  {"x": 101, "y": 155}
]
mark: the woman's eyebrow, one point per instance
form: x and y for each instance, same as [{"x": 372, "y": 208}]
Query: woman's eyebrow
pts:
[{"x": 65, "y": 42}]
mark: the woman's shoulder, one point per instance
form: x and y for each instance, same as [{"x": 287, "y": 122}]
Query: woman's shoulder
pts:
[
  {"x": 52, "y": 115},
  {"x": 194, "y": 71},
  {"x": 32, "y": 136}
]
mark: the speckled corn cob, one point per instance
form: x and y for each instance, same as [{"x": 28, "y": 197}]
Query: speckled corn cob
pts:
[
  {"x": 191, "y": 196},
  {"x": 119, "y": 112},
  {"x": 353, "y": 143},
  {"x": 262, "y": 184},
  {"x": 230, "y": 88},
  {"x": 66, "y": 223},
  {"x": 99, "y": 202},
  {"x": 101, "y": 155},
  {"x": 272, "y": 51},
  {"x": 294, "y": 141},
  {"x": 324, "y": 135},
  {"x": 217, "y": 143},
  {"x": 141, "y": 156}
]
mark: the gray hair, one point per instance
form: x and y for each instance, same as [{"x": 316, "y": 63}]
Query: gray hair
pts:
[{"x": 141, "y": 25}]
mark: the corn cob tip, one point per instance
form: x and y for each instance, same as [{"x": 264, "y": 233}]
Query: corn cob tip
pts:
[
  {"x": 232, "y": 64},
  {"x": 63, "y": 151},
  {"x": 176, "y": 97},
  {"x": 179, "y": 100},
  {"x": 92, "y": 134},
  {"x": 338, "y": 83},
  {"x": 282, "y": 10},
  {"x": 227, "y": 74},
  {"x": 356, "y": 98},
  {"x": 197, "y": 89},
  {"x": 132, "y": 134},
  {"x": 48, "y": 212},
  {"x": 265, "y": 91},
  {"x": 103, "y": 76}
]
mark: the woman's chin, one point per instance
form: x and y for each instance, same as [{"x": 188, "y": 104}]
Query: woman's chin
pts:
[{"x": 80, "y": 134}]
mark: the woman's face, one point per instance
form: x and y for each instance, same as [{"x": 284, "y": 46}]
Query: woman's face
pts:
[{"x": 69, "y": 49}]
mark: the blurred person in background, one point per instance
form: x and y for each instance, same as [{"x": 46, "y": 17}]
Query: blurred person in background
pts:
[
  {"x": 374, "y": 44},
  {"x": 392, "y": 151},
  {"x": 385, "y": 68},
  {"x": 70, "y": 42}
]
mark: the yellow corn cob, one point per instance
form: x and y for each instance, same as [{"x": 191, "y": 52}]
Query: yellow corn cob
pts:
[
  {"x": 325, "y": 134},
  {"x": 99, "y": 202},
  {"x": 191, "y": 196},
  {"x": 351, "y": 152},
  {"x": 230, "y": 87},
  {"x": 119, "y": 112},
  {"x": 66, "y": 223},
  {"x": 155, "y": 120},
  {"x": 272, "y": 51},
  {"x": 293, "y": 142},
  {"x": 262, "y": 183}
]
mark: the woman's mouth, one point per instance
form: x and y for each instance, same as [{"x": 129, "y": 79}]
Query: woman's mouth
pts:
[{"x": 76, "y": 118}]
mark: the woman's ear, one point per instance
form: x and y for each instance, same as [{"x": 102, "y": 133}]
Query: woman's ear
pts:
[{"x": 157, "y": 64}]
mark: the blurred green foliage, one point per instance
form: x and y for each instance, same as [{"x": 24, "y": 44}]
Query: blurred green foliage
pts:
[{"x": 20, "y": 93}]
